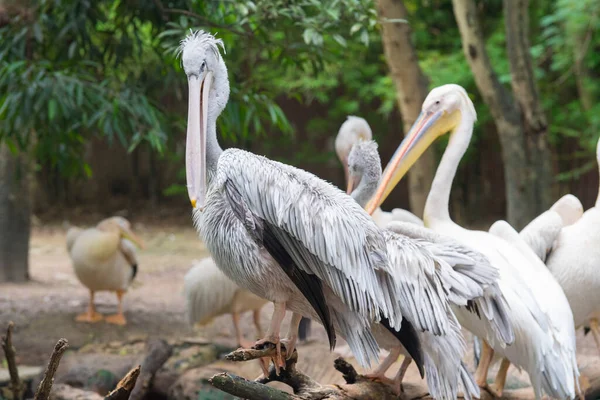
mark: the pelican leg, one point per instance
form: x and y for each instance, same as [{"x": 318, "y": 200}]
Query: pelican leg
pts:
[
  {"x": 378, "y": 373},
  {"x": 487, "y": 353},
  {"x": 91, "y": 315},
  {"x": 292, "y": 336},
  {"x": 595, "y": 331},
  {"x": 273, "y": 334},
  {"x": 400, "y": 375},
  {"x": 501, "y": 377},
  {"x": 235, "y": 316},
  {"x": 256, "y": 317},
  {"x": 119, "y": 317}
]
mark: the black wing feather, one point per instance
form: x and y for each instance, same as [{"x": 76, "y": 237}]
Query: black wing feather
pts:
[
  {"x": 409, "y": 339},
  {"x": 273, "y": 239},
  {"x": 309, "y": 285}
]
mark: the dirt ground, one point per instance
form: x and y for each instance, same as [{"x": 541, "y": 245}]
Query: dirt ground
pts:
[{"x": 44, "y": 309}]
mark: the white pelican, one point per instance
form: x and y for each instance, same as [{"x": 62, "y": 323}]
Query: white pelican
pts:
[
  {"x": 574, "y": 256},
  {"x": 104, "y": 259},
  {"x": 209, "y": 294},
  {"x": 541, "y": 233},
  {"x": 352, "y": 131},
  {"x": 283, "y": 233},
  {"x": 539, "y": 312},
  {"x": 465, "y": 275}
]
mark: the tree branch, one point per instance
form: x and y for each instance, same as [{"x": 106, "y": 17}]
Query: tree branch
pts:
[
  {"x": 246, "y": 389},
  {"x": 125, "y": 386},
  {"x": 43, "y": 391},
  {"x": 158, "y": 352},
  {"x": 9, "y": 351}
]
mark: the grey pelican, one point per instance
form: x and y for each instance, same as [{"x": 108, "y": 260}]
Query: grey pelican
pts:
[
  {"x": 104, "y": 258},
  {"x": 281, "y": 232},
  {"x": 465, "y": 275},
  {"x": 544, "y": 342},
  {"x": 352, "y": 131},
  {"x": 209, "y": 294}
]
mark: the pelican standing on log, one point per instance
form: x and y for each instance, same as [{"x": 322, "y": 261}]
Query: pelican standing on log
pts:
[
  {"x": 104, "y": 258},
  {"x": 353, "y": 131},
  {"x": 465, "y": 276},
  {"x": 209, "y": 294},
  {"x": 539, "y": 312},
  {"x": 281, "y": 232}
]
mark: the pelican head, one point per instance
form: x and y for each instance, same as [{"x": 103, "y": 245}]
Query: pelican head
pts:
[
  {"x": 353, "y": 130},
  {"x": 441, "y": 113},
  {"x": 569, "y": 208},
  {"x": 208, "y": 94},
  {"x": 122, "y": 227},
  {"x": 364, "y": 166}
]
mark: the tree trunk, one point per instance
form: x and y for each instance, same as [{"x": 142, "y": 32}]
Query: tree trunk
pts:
[
  {"x": 14, "y": 215},
  {"x": 505, "y": 112},
  {"x": 411, "y": 90},
  {"x": 535, "y": 125}
]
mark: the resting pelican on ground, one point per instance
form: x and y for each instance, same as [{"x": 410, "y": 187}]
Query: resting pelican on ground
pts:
[
  {"x": 104, "y": 258},
  {"x": 352, "y": 131},
  {"x": 539, "y": 312},
  {"x": 281, "y": 232},
  {"x": 464, "y": 275},
  {"x": 209, "y": 294}
]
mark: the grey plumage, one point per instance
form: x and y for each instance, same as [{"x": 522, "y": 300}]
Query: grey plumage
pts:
[
  {"x": 310, "y": 212},
  {"x": 274, "y": 229},
  {"x": 434, "y": 272}
]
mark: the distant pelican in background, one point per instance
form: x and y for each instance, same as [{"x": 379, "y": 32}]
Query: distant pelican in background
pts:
[
  {"x": 104, "y": 258},
  {"x": 540, "y": 314},
  {"x": 352, "y": 131},
  {"x": 465, "y": 276},
  {"x": 209, "y": 294},
  {"x": 283, "y": 233}
]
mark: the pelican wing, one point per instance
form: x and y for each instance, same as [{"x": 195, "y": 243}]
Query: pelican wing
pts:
[
  {"x": 321, "y": 228},
  {"x": 467, "y": 276},
  {"x": 127, "y": 248},
  {"x": 319, "y": 236},
  {"x": 541, "y": 233},
  {"x": 422, "y": 294}
]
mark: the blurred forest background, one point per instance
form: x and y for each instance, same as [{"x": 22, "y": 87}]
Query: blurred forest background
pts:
[{"x": 93, "y": 101}]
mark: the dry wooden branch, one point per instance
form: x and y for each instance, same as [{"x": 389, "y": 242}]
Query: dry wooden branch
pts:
[
  {"x": 43, "y": 391},
  {"x": 158, "y": 352},
  {"x": 9, "y": 351},
  {"x": 305, "y": 388},
  {"x": 125, "y": 386},
  {"x": 252, "y": 354},
  {"x": 246, "y": 389}
]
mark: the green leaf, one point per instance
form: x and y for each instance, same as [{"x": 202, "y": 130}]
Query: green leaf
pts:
[
  {"x": 355, "y": 28},
  {"x": 52, "y": 109}
]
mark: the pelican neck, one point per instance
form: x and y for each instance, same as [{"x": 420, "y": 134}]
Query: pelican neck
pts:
[{"x": 438, "y": 200}]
